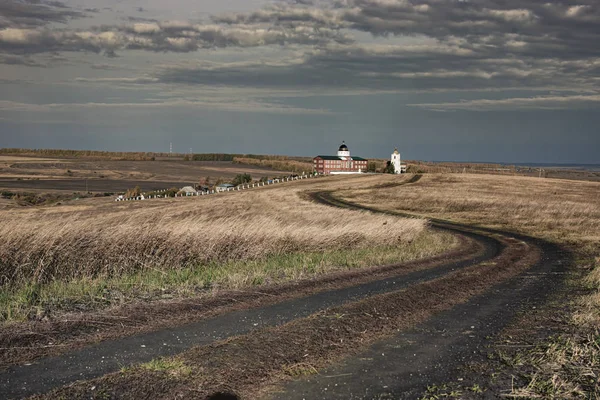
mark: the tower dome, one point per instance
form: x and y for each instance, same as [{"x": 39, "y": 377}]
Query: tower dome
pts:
[{"x": 343, "y": 150}]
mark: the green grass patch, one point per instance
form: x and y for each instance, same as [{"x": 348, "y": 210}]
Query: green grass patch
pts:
[{"x": 170, "y": 366}]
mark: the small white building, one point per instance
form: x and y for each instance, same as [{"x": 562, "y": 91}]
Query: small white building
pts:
[
  {"x": 187, "y": 190},
  {"x": 223, "y": 187},
  {"x": 399, "y": 168}
]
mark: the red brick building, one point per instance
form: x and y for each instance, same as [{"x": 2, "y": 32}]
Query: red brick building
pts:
[{"x": 343, "y": 163}]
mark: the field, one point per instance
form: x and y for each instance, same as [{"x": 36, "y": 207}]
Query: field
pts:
[
  {"x": 297, "y": 283},
  {"x": 77, "y": 175},
  {"x": 96, "y": 252},
  {"x": 566, "y": 212}
]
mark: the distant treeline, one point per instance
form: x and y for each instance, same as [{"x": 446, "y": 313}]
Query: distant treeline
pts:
[
  {"x": 93, "y": 154},
  {"x": 291, "y": 163},
  {"x": 233, "y": 157},
  {"x": 280, "y": 163}
]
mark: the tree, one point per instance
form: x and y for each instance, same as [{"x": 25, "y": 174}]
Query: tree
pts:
[
  {"x": 241, "y": 179},
  {"x": 371, "y": 167},
  {"x": 135, "y": 192},
  {"x": 205, "y": 181},
  {"x": 389, "y": 168}
]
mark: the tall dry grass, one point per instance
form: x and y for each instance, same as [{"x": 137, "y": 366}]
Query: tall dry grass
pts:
[
  {"x": 39, "y": 245},
  {"x": 560, "y": 210}
]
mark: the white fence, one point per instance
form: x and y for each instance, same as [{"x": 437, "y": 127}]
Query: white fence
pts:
[{"x": 245, "y": 186}]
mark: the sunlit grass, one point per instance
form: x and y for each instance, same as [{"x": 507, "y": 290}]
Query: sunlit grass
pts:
[{"x": 20, "y": 302}]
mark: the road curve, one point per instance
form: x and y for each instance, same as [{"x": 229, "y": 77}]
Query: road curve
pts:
[{"x": 401, "y": 367}]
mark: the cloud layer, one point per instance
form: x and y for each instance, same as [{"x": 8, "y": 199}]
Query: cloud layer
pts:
[
  {"x": 414, "y": 44},
  {"x": 34, "y": 13}
]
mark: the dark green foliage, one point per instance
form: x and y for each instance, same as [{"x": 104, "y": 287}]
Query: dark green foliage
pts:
[
  {"x": 389, "y": 168},
  {"x": 213, "y": 157},
  {"x": 133, "y": 156},
  {"x": 241, "y": 178}
]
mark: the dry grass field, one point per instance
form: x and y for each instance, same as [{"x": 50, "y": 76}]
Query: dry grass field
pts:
[
  {"x": 562, "y": 211},
  {"x": 96, "y": 250},
  {"x": 558, "y": 210}
]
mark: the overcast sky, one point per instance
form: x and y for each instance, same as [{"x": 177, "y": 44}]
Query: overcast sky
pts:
[{"x": 464, "y": 80}]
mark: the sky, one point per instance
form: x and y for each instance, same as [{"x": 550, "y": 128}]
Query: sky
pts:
[{"x": 453, "y": 80}]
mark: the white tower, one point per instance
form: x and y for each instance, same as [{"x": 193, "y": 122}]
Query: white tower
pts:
[
  {"x": 343, "y": 151},
  {"x": 396, "y": 162}
]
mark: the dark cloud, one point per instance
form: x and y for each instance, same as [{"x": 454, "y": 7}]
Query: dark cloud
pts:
[
  {"x": 107, "y": 67},
  {"x": 429, "y": 66},
  {"x": 34, "y": 13},
  {"x": 354, "y": 67},
  {"x": 519, "y": 26},
  {"x": 290, "y": 15},
  {"x": 141, "y": 19},
  {"x": 19, "y": 60},
  {"x": 485, "y": 44}
]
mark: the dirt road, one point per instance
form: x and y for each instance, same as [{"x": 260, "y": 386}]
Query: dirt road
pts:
[{"x": 444, "y": 313}]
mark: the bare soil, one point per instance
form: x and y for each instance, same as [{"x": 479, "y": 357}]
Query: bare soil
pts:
[
  {"x": 114, "y": 176},
  {"x": 514, "y": 364}
]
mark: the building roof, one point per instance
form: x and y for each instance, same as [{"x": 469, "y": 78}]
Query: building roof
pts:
[
  {"x": 328, "y": 157},
  {"x": 225, "y": 185},
  {"x": 343, "y": 147},
  {"x": 354, "y": 158},
  {"x": 188, "y": 189}
]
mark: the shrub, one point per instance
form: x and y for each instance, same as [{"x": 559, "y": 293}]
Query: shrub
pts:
[
  {"x": 241, "y": 179},
  {"x": 135, "y": 192}
]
